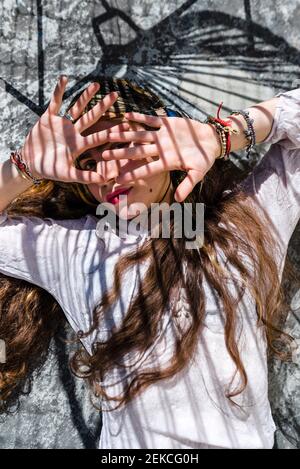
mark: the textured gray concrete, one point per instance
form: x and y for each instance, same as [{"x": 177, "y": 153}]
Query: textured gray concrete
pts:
[{"x": 194, "y": 54}]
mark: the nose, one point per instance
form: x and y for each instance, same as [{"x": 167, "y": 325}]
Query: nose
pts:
[{"x": 110, "y": 169}]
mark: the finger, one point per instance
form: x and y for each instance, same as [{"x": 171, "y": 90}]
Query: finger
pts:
[
  {"x": 112, "y": 128},
  {"x": 114, "y": 125},
  {"x": 132, "y": 165},
  {"x": 146, "y": 170},
  {"x": 94, "y": 114},
  {"x": 94, "y": 140},
  {"x": 57, "y": 96},
  {"x": 138, "y": 136},
  {"x": 152, "y": 121},
  {"x": 85, "y": 177},
  {"x": 83, "y": 100},
  {"x": 187, "y": 185},
  {"x": 117, "y": 127},
  {"x": 139, "y": 152}
]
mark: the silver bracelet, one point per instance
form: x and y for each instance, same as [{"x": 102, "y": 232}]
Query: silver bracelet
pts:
[{"x": 250, "y": 132}]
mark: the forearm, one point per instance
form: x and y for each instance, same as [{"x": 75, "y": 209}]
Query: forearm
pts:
[
  {"x": 263, "y": 115},
  {"x": 12, "y": 184}
]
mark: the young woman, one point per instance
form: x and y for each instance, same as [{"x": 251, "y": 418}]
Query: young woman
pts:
[{"x": 175, "y": 340}]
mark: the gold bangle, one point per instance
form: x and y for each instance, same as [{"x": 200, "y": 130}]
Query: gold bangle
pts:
[
  {"x": 222, "y": 131},
  {"x": 222, "y": 137}
]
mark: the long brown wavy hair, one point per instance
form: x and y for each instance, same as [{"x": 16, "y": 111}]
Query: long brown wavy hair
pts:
[{"x": 30, "y": 317}]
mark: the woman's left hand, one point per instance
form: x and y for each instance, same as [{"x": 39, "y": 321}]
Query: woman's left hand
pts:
[{"x": 178, "y": 144}]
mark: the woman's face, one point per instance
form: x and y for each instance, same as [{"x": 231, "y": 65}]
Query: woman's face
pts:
[{"x": 141, "y": 191}]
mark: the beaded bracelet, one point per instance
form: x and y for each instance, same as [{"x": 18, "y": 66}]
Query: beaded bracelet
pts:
[
  {"x": 16, "y": 159},
  {"x": 222, "y": 134},
  {"x": 224, "y": 131},
  {"x": 250, "y": 132}
]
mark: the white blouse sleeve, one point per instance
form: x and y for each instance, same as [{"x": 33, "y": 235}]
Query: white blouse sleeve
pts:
[
  {"x": 39, "y": 250},
  {"x": 60, "y": 256},
  {"x": 274, "y": 184},
  {"x": 29, "y": 250}
]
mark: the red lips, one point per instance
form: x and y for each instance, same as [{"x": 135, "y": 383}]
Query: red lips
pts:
[{"x": 112, "y": 197}]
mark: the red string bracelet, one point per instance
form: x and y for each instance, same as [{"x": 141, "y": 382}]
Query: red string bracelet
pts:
[
  {"x": 224, "y": 130},
  {"x": 227, "y": 127},
  {"x": 16, "y": 159}
]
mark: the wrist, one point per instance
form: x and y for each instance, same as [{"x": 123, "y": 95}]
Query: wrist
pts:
[
  {"x": 238, "y": 139},
  {"x": 214, "y": 138},
  {"x": 17, "y": 176},
  {"x": 17, "y": 159}
]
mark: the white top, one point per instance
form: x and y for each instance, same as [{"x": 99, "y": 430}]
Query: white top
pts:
[{"x": 71, "y": 261}]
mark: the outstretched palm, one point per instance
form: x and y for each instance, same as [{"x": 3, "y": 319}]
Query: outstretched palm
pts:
[{"x": 55, "y": 142}]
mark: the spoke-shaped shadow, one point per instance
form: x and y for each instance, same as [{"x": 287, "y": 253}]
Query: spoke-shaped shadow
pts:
[{"x": 204, "y": 37}]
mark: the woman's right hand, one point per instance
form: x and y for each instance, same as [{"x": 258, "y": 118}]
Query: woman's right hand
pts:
[{"x": 55, "y": 142}]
